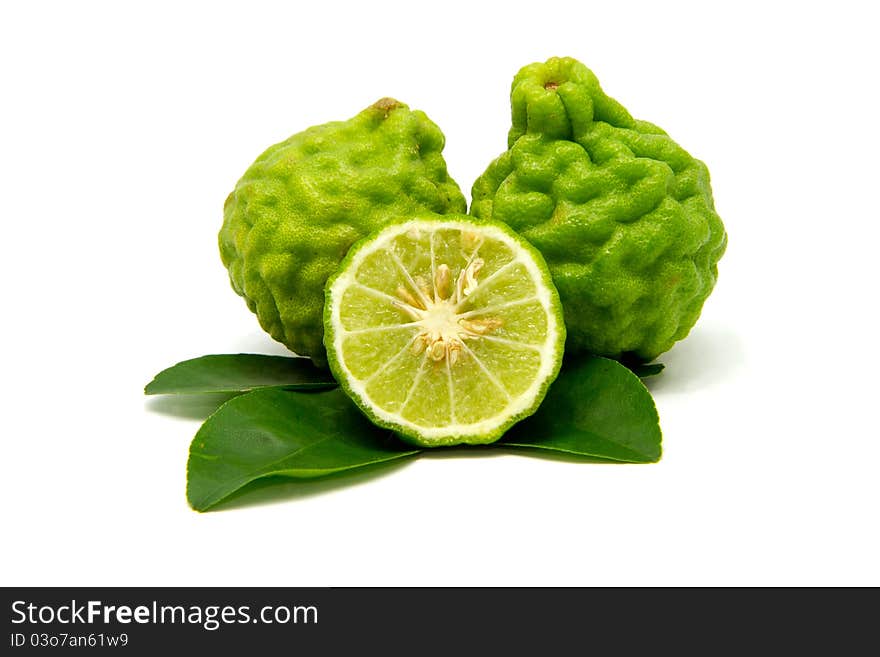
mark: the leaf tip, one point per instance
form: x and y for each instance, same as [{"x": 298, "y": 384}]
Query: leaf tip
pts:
[{"x": 197, "y": 504}]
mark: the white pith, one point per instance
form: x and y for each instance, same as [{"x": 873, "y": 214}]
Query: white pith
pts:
[{"x": 441, "y": 320}]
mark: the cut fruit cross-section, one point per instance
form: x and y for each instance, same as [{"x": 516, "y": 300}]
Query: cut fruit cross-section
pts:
[{"x": 445, "y": 329}]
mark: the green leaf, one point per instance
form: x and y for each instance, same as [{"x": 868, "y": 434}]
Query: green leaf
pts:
[
  {"x": 238, "y": 373},
  {"x": 273, "y": 432},
  {"x": 644, "y": 371},
  {"x": 639, "y": 367},
  {"x": 596, "y": 408}
]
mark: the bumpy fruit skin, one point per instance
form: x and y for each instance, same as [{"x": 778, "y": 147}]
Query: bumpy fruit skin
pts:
[
  {"x": 296, "y": 211},
  {"x": 622, "y": 214}
]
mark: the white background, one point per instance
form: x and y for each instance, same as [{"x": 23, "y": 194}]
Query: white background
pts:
[{"x": 124, "y": 128}]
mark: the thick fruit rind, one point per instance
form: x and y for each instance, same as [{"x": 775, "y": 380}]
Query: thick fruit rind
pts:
[
  {"x": 405, "y": 432},
  {"x": 622, "y": 214},
  {"x": 299, "y": 207}
]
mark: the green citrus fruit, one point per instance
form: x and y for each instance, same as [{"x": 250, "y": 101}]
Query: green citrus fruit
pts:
[
  {"x": 298, "y": 209},
  {"x": 623, "y": 215},
  {"x": 444, "y": 329}
]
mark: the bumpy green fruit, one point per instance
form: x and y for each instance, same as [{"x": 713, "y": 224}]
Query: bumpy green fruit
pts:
[
  {"x": 622, "y": 214},
  {"x": 296, "y": 211}
]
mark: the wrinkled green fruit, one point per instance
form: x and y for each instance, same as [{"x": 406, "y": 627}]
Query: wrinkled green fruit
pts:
[
  {"x": 296, "y": 211},
  {"x": 622, "y": 214}
]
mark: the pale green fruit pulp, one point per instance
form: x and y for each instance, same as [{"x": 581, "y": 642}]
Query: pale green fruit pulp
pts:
[{"x": 443, "y": 329}]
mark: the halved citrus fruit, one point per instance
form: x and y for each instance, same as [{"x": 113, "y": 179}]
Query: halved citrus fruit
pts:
[{"x": 444, "y": 329}]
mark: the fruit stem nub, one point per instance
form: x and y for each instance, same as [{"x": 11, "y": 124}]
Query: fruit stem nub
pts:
[{"x": 386, "y": 105}]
